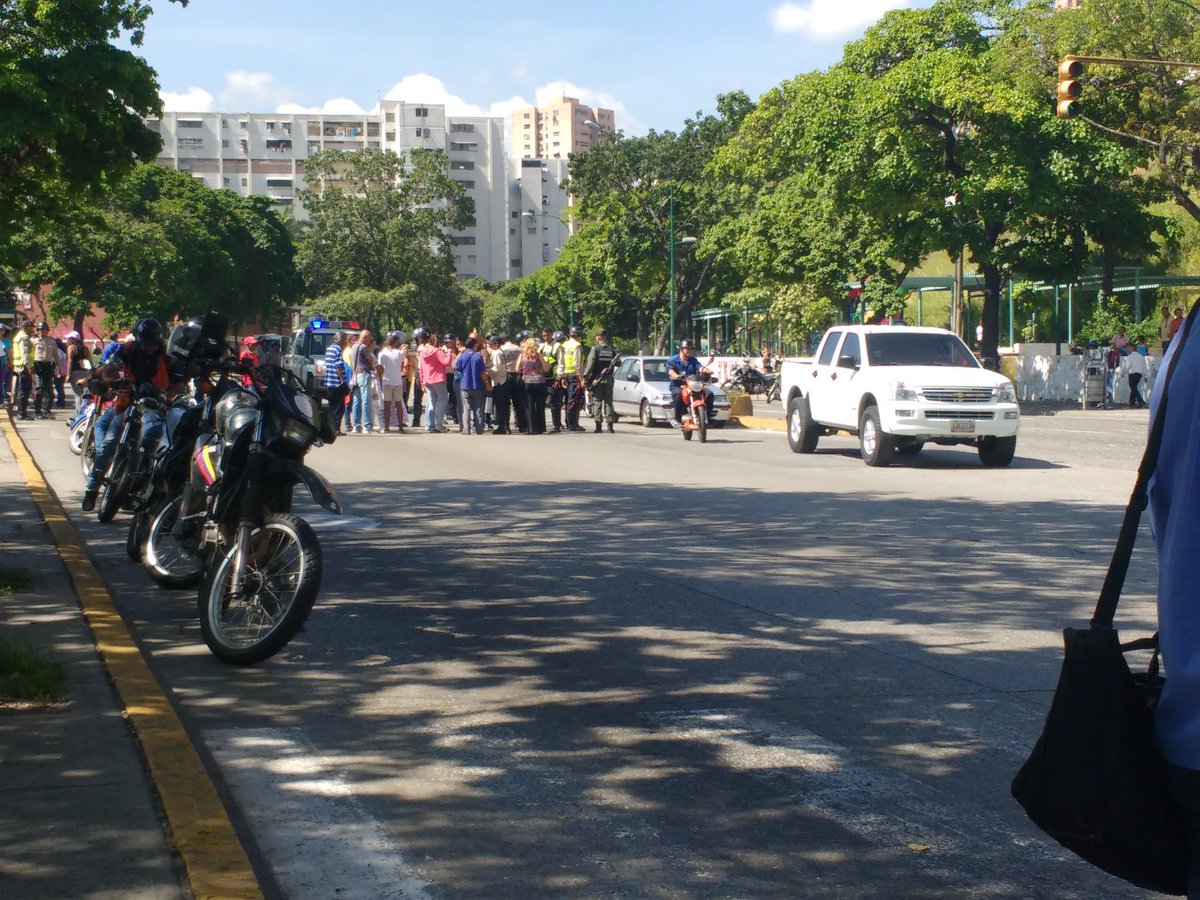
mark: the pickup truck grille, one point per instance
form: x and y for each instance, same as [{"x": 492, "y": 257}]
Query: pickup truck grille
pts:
[
  {"x": 957, "y": 395},
  {"x": 977, "y": 415}
]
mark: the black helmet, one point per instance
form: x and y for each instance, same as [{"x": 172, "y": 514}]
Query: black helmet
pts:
[
  {"x": 685, "y": 345},
  {"x": 576, "y": 331},
  {"x": 447, "y": 338},
  {"x": 557, "y": 336},
  {"x": 148, "y": 331},
  {"x": 40, "y": 326},
  {"x": 420, "y": 333}
]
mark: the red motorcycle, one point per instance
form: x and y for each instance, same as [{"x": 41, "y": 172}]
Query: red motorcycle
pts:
[{"x": 695, "y": 397}]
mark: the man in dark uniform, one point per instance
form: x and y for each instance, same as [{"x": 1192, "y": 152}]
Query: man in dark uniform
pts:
[{"x": 598, "y": 373}]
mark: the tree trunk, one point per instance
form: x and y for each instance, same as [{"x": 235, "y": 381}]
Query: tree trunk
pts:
[
  {"x": 643, "y": 334},
  {"x": 1108, "y": 257},
  {"x": 77, "y": 323}
]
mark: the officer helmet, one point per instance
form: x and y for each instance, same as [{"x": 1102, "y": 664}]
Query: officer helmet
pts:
[
  {"x": 576, "y": 331},
  {"x": 558, "y": 336},
  {"x": 685, "y": 345}
]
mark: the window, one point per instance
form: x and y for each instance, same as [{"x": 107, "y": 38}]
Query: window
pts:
[
  {"x": 270, "y": 126},
  {"x": 390, "y": 136},
  {"x": 189, "y": 123},
  {"x": 242, "y": 124},
  {"x": 831, "y": 342},
  {"x": 461, "y": 127},
  {"x": 909, "y": 348},
  {"x": 244, "y": 181},
  {"x": 224, "y": 123},
  {"x": 462, "y": 165},
  {"x": 514, "y": 215},
  {"x": 191, "y": 143},
  {"x": 225, "y": 143},
  {"x": 464, "y": 240},
  {"x": 851, "y": 353},
  {"x": 421, "y": 112},
  {"x": 464, "y": 147},
  {"x": 471, "y": 257},
  {"x": 515, "y": 263},
  {"x": 389, "y": 117},
  {"x": 424, "y": 132},
  {"x": 287, "y": 127},
  {"x": 468, "y": 185},
  {"x": 512, "y": 231},
  {"x": 225, "y": 182}
]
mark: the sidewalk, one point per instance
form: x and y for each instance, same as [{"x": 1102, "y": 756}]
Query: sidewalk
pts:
[{"x": 78, "y": 817}]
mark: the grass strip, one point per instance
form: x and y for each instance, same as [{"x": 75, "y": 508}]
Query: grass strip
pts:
[{"x": 28, "y": 674}]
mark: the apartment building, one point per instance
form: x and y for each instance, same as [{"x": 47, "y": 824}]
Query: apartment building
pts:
[
  {"x": 558, "y": 129},
  {"x": 264, "y": 153},
  {"x": 538, "y": 214}
]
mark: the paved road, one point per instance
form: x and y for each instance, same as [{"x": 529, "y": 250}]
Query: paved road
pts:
[{"x": 626, "y": 666}]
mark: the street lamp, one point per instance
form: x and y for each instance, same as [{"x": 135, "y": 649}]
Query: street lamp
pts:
[{"x": 685, "y": 241}]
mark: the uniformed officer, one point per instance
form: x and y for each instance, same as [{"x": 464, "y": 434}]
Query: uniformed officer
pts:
[
  {"x": 552, "y": 354},
  {"x": 598, "y": 373},
  {"x": 571, "y": 367}
]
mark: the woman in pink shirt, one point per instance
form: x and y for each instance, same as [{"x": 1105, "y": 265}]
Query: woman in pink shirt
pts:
[{"x": 432, "y": 365}]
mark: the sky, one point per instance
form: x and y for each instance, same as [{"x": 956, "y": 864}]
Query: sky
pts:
[{"x": 655, "y": 62}]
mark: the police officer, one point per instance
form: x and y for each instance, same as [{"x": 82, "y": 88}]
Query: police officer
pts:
[
  {"x": 571, "y": 367},
  {"x": 552, "y": 355},
  {"x": 599, "y": 375}
]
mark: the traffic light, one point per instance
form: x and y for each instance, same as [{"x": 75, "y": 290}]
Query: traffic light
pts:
[{"x": 1069, "y": 88}]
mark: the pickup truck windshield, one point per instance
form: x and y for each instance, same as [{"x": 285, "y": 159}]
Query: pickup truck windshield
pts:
[{"x": 914, "y": 348}]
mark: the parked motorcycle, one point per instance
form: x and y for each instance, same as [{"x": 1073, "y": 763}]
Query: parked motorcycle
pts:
[
  {"x": 745, "y": 378},
  {"x": 80, "y": 423},
  {"x": 262, "y": 564},
  {"x": 131, "y": 459},
  {"x": 169, "y": 461},
  {"x": 695, "y": 394}
]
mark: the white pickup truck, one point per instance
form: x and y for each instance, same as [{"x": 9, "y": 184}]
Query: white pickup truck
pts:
[{"x": 898, "y": 387}]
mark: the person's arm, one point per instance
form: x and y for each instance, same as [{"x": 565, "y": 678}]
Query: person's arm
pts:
[{"x": 590, "y": 364}]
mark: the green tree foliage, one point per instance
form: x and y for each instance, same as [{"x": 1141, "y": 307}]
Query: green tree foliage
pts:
[
  {"x": 380, "y": 222},
  {"x": 72, "y": 101},
  {"x": 617, "y": 264},
  {"x": 161, "y": 243}
]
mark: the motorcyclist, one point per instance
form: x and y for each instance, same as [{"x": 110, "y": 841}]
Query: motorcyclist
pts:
[
  {"x": 145, "y": 362},
  {"x": 679, "y": 366}
]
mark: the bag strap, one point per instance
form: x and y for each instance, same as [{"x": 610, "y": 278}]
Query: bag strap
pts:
[{"x": 1110, "y": 593}]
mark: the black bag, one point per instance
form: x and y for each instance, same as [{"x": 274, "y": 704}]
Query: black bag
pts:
[{"x": 1095, "y": 781}]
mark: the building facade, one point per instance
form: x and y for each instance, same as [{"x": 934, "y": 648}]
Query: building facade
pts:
[
  {"x": 558, "y": 129},
  {"x": 264, "y": 153},
  {"x": 538, "y": 214}
]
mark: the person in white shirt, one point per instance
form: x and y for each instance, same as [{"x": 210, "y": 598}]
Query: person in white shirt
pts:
[
  {"x": 391, "y": 362},
  {"x": 1137, "y": 368}
]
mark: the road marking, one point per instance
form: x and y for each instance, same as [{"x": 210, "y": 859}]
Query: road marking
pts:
[
  {"x": 214, "y": 860},
  {"x": 307, "y": 820}
]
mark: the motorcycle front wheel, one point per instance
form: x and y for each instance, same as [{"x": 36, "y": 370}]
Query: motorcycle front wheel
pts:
[
  {"x": 78, "y": 434},
  {"x": 701, "y": 415},
  {"x": 280, "y": 585},
  {"x": 87, "y": 450},
  {"x": 168, "y": 560},
  {"x": 116, "y": 486},
  {"x": 135, "y": 540}
]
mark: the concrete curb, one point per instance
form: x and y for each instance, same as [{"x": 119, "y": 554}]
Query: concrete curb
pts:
[{"x": 200, "y": 829}]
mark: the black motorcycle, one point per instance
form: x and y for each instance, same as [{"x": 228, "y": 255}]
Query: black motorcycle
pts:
[
  {"x": 131, "y": 458},
  {"x": 262, "y": 563},
  {"x": 745, "y": 378}
]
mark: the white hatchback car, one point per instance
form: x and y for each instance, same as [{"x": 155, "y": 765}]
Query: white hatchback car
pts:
[{"x": 641, "y": 388}]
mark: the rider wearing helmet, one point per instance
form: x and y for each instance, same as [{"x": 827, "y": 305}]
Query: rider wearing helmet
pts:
[
  {"x": 145, "y": 362},
  {"x": 573, "y": 359},
  {"x": 552, "y": 355},
  {"x": 679, "y": 366}
]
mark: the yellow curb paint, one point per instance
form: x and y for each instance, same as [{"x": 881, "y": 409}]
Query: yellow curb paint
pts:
[{"x": 214, "y": 859}]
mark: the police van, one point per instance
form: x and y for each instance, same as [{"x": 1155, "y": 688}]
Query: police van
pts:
[{"x": 305, "y": 356}]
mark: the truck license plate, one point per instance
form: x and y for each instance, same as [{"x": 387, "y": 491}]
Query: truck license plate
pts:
[{"x": 962, "y": 426}]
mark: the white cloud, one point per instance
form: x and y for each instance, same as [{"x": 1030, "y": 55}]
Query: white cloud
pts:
[
  {"x": 252, "y": 91},
  {"x": 194, "y": 99},
  {"x": 829, "y": 18}
]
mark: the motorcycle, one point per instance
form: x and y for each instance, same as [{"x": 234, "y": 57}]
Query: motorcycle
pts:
[
  {"x": 773, "y": 386},
  {"x": 695, "y": 395},
  {"x": 81, "y": 422},
  {"x": 168, "y": 468},
  {"x": 130, "y": 459},
  {"x": 745, "y": 378},
  {"x": 262, "y": 563}
]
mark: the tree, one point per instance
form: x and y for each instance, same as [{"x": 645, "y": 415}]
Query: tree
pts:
[
  {"x": 73, "y": 102},
  {"x": 161, "y": 243},
  {"x": 624, "y": 189},
  {"x": 379, "y": 222}
]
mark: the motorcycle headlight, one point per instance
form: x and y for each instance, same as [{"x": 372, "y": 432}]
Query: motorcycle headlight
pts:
[
  {"x": 297, "y": 433},
  {"x": 1005, "y": 393},
  {"x": 901, "y": 391}
]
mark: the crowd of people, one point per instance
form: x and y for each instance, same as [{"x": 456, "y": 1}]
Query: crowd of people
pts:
[
  {"x": 36, "y": 367},
  {"x": 482, "y": 384}
]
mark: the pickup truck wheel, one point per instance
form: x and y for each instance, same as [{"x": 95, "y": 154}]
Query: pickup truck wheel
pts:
[
  {"x": 876, "y": 445},
  {"x": 803, "y": 432},
  {"x": 997, "y": 452}
]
